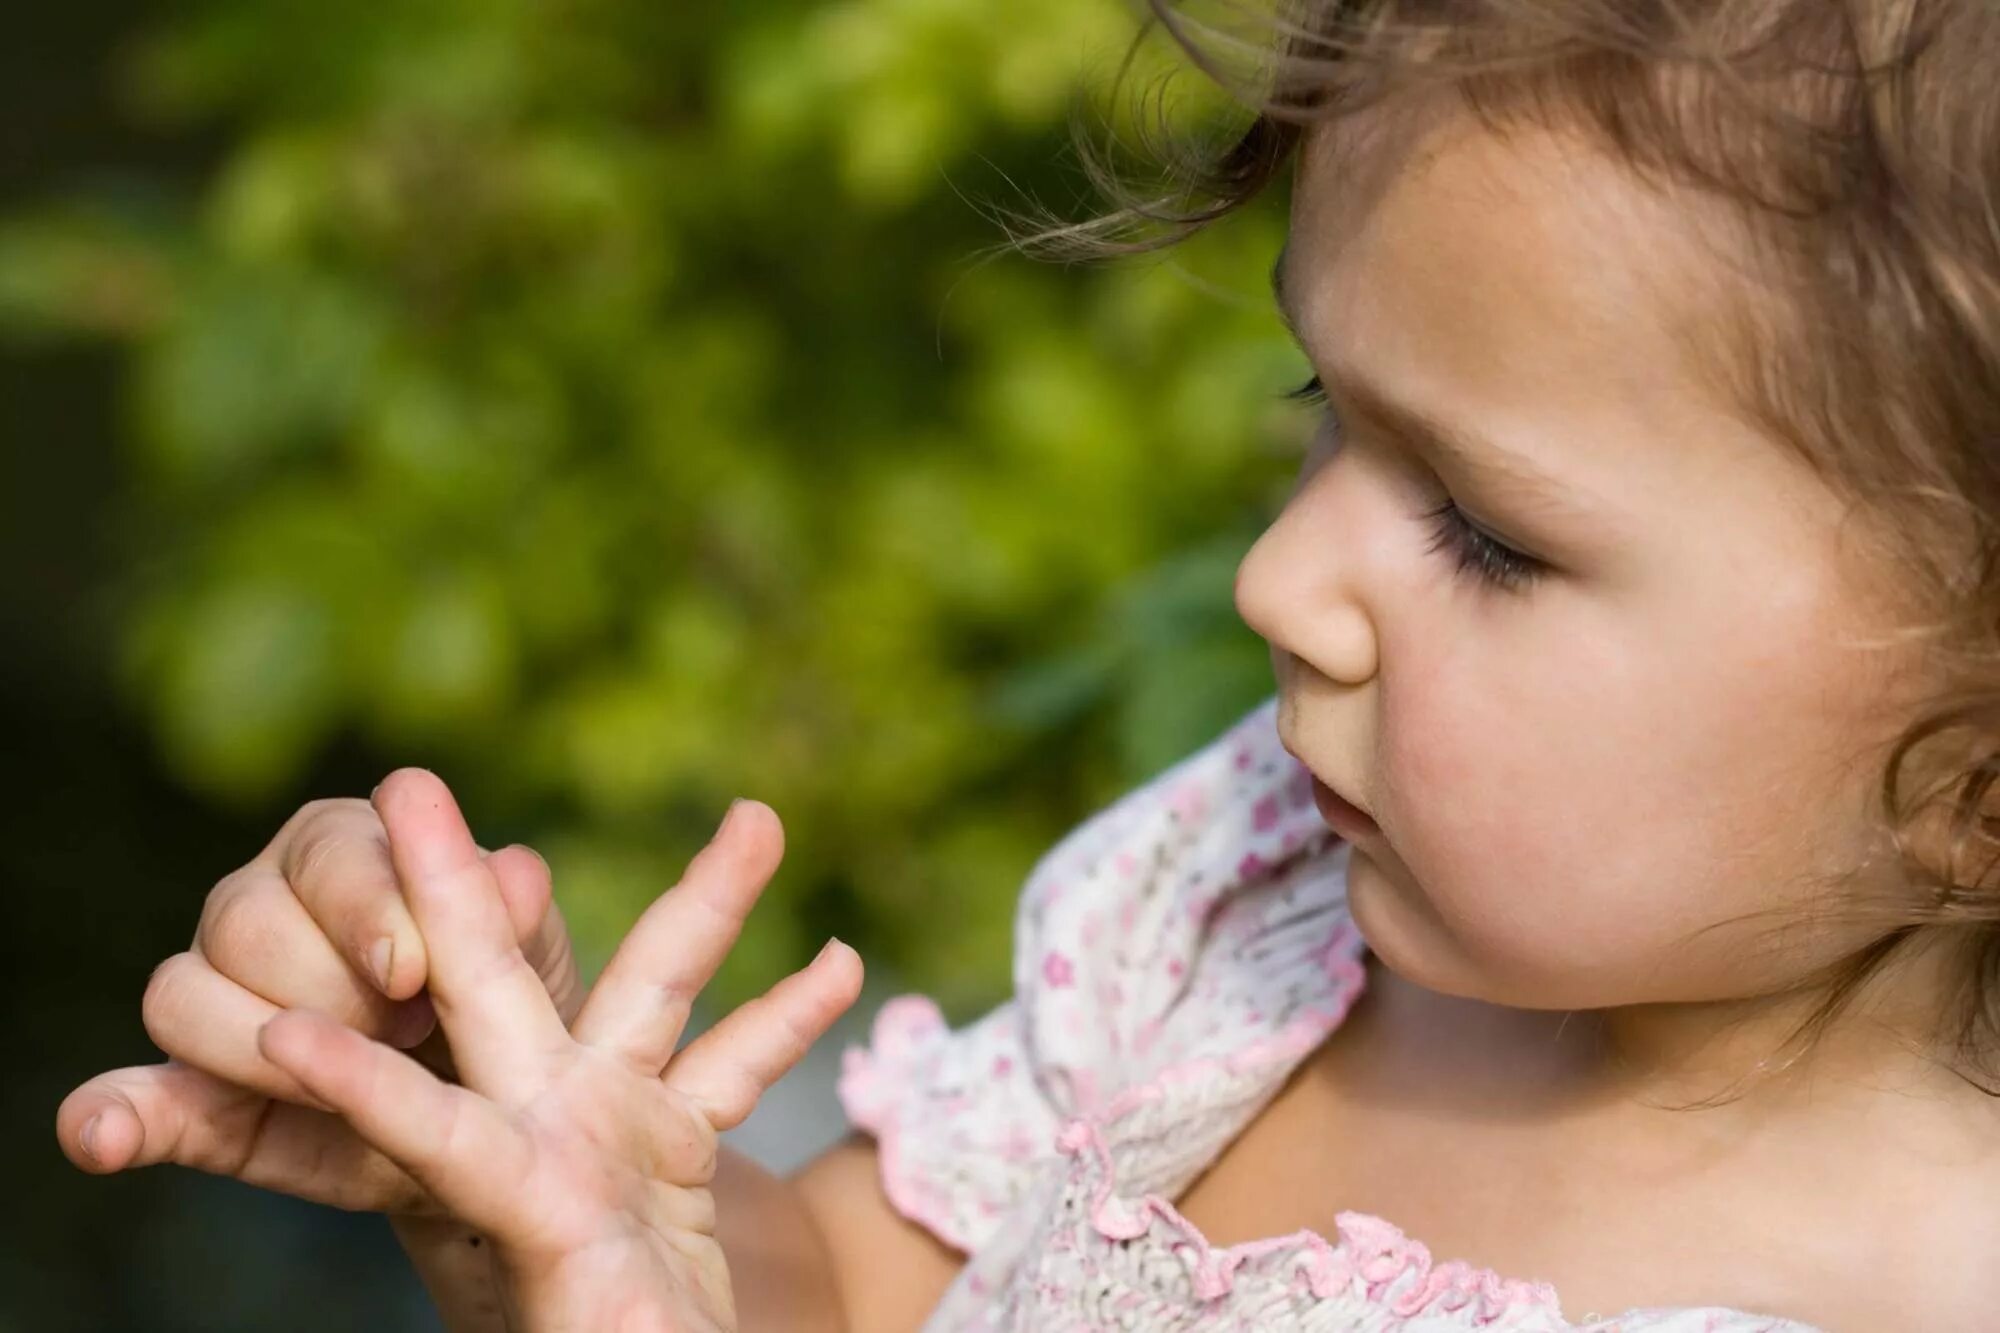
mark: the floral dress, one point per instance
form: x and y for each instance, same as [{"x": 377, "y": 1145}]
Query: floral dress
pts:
[{"x": 1176, "y": 956}]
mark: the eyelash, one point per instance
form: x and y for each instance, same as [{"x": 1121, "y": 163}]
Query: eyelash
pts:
[{"x": 1493, "y": 563}]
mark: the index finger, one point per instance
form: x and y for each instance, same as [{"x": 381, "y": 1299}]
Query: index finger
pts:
[
  {"x": 337, "y": 864},
  {"x": 503, "y": 1028},
  {"x": 335, "y": 858}
]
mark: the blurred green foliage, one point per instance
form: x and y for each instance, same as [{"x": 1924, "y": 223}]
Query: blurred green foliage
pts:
[{"x": 613, "y": 405}]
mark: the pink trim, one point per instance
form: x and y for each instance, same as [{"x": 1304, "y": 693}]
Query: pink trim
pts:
[
  {"x": 1368, "y": 1248},
  {"x": 905, "y": 1022},
  {"x": 900, "y": 1026},
  {"x": 1371, "y": 1250}
]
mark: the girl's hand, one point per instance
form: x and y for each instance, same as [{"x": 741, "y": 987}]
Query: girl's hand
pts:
[
  {"x": 583, "y": 1156},
  {"x": 316, "y": 920}
]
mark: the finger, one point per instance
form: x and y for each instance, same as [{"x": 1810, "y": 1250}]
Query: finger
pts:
[
  {"x": 150, "y": 1114},
  {"x": 524, "y": 883},
  {"x": 526, "y": 888},
  {"x": 454, "y": 1143},
  {"x": 256, "y": 931},
  {"x": 504, "y": 1031},
  {"x": 335, "y": 858},
  {"x": 641, "y": 1000},
  {"x": 727, "y": 1068},
  {"x": 337, "y": 864},
  {"x": 196, "y": 1015}
]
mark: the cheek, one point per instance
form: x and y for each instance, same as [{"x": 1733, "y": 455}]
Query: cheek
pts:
[{"x": 1563, "y": 819}]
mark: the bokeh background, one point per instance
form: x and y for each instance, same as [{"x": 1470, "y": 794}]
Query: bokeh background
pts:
[{"x": 617, "y": 406}]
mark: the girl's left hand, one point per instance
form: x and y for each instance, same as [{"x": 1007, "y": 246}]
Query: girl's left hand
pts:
[{"x": 582, "y": 1155}]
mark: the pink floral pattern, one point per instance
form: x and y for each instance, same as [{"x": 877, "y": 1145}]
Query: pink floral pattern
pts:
[{"x": 1048, "y": 1139}]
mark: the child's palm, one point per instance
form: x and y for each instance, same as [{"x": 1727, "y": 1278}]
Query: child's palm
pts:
[{"x": 583, "y": 1155}]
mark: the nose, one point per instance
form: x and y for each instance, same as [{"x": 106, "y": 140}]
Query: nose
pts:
[{"x": 1298, "y": 591}]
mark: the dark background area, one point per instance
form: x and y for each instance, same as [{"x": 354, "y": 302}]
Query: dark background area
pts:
[{"x": 103, "y": 857}]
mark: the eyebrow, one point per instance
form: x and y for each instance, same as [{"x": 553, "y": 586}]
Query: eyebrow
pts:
[{"x": 1473, "y": 454}]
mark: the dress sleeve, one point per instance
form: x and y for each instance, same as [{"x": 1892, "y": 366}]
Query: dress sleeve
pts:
[{"x": 1164, "y": 931}]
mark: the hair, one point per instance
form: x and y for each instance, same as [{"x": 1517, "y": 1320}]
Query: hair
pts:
[{"x": 1854, "y": 147}]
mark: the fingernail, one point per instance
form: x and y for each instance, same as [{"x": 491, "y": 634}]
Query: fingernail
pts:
[
  {"x": 381, "y": 956},
  {"x": 728, "y": 815},
  {"x": 824, "y": 949},
  {"x": 89, "y": 1137}
]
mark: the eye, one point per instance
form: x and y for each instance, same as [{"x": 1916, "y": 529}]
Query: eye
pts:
[
  {"x": 1492, "y": 562},
  {"x": 1309, "y": 392},
  {"x": 1312, "y": 392}
]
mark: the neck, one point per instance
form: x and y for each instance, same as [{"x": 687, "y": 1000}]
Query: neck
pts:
[
  {"x": 1665, "y": 1055},
  {"x": 1675, "y": 1054}
]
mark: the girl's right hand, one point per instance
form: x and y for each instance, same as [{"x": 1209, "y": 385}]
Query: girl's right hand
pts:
[{"x": 317, "y": 920}]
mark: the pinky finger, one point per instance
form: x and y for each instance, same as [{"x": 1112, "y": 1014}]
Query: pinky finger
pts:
[
  {"x": 453, "y": 1142},
  {"x": 727, "y": 1068}
]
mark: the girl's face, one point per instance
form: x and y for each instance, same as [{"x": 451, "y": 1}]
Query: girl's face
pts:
[{"x": 1669, "y": 719}]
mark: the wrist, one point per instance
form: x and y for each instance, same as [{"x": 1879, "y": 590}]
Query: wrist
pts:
[{"x": 455, "y": 1264}]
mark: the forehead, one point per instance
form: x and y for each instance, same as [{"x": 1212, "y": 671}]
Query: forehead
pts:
[
  {"x": 1417, "y": 225},
  {"x": 1528, "y": 283}
]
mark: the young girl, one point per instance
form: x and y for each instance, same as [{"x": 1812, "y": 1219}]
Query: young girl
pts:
[{"x": 1603, "y": 901}]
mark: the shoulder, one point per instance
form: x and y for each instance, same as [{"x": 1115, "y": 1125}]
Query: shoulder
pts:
[
  {"x": 1179, "y": 954},
  {"x": 1188, "y": 943},
  {"x": 1200, "y": 914}
]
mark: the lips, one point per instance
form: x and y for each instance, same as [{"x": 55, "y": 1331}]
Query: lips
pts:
[{"x": 1341, "y": 815}]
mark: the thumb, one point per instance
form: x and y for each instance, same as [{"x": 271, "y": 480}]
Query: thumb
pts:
[{"x": 527, "y": 889}]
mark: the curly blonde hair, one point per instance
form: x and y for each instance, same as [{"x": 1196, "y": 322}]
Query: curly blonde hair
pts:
[{"x": 1856, "y": 143}]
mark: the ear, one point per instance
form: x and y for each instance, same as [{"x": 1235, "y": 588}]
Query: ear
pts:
[{"x": 1952, "y": 828}]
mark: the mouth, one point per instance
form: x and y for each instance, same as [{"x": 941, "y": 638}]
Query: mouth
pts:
[{"x": 1342, "y": 816}]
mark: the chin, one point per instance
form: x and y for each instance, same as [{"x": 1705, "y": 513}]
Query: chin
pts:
[
  {"x": 1403, "y": 930},
  {"x": 1395, "y": 932}
]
